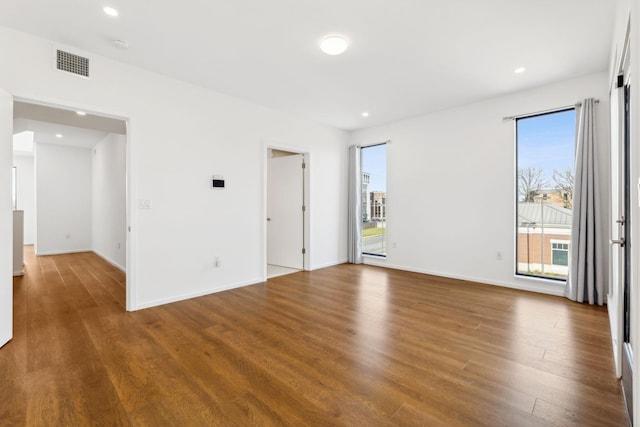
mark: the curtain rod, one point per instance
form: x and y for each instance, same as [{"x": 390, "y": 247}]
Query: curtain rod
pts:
[
  {"x": 388, "y": 141},
  {"x": 552, "y": 110}
]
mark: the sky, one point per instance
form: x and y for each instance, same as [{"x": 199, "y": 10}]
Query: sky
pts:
[
  {"x": 547, "y": 142},
  {"x": 374, "y": 162}
]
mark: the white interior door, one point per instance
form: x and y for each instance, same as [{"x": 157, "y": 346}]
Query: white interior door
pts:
[
  {"x": 624, "y": 255},
  {"x": 285, "y": 215},
  {"x": 6, "y": 218},
  {"x": 619, "y": 299},
  {"x": 615, "y": 297}
]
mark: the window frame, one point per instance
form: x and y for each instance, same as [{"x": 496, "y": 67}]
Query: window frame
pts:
[
  {"x": 560, "y": 242},
  {"x": 370, "y": 204},
  {"x": 517, "y": 273}
]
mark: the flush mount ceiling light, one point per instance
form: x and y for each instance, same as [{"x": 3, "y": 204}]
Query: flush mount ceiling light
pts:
[
  {"x": 519, "y": 70},
  {"x": 365, "y": 114},
  {"x": 59, "y": 135},
  {"x": 333, "y": 45},
  {"x": 110, "y": 11}
]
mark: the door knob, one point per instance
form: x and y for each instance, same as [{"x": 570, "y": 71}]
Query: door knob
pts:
[{"x": 620, "y": 221}]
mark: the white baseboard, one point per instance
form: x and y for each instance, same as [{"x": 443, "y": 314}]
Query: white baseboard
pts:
[
  {"x": 70, "y": 251},
  {"x": 330, "y": 264},
  {"x": 183, "y": 297},
  {"x": 113, "y": 263},
  {"x": 519, "y": 286}
]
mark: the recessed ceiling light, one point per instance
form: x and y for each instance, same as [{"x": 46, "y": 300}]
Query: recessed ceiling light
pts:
[
  {"x": 365, "y": 114},
  {"x": 110, "y": 11},
  {"x": 81, "y": 113},
  {"x": 333, "y": 45},
  {"x": 519, "y": 70},
  {"x": 59, "y": 135}
]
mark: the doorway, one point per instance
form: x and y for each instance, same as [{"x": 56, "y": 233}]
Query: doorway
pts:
[
  {"x": 286, "y": 212},
  {"x": 77, "y": 166}
]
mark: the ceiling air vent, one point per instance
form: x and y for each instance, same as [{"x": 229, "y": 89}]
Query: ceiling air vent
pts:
[{"x": 71, "y": 63}]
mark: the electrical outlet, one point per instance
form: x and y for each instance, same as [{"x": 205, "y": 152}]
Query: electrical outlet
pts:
[{"x": 217, "y": 261}]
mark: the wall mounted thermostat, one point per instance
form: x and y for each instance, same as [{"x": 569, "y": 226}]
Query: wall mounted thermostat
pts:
[{"x": 217, "y": 181}]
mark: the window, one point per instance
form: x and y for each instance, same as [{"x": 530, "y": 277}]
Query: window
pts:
[
  {"x": 560, "y": 253},
  {"x": 374, "y": 199},
  {"x": 545, "y": 178}
]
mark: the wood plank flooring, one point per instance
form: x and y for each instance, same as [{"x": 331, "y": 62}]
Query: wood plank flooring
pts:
[{"x": 347, "y": 345}]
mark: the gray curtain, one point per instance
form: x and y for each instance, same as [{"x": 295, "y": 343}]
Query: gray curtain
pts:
[
  {"x": 355, "y": 206},
  {"x": 588, "y": 257}
]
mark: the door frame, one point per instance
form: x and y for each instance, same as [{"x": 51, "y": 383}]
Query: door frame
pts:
[
  {"x": 306, "y": 232},
  {"x": 6, "y": 221},
  {"x": 131, "y": 214}
]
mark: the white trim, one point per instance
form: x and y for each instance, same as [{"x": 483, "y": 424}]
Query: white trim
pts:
[
  {"x": 612, "y": 311},
  {"x": 55, "y": 103},
  {"x": 374, "y": 256},
  {"x": 197, "y": 294},
  {"x": 542, "y": 280},
  {"x": 328, "y": 264},
  {"x": 131, "y": 241},
  {"x": 131, "y": 179},
  {"x": 556, "y": 290},
  {"x": 113, "y": 263},
  {"x": 70, "y": 251},
  {"x": 274, "y": 145}
]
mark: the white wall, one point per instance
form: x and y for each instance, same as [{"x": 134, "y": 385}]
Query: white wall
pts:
[
  {"x": 27, "y": 195},
  {"x": 108, "y": 225},
  {"x": 451, "y": 184},
  {"x": 179, "y": 135},
  {"x": 63, "y": 199}
]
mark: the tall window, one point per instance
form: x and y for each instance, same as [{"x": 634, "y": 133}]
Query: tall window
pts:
[
  {"x": 374, "y": 199},
  {"x": 545, "y": 179}
]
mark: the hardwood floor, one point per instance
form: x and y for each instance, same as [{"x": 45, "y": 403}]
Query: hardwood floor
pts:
[{"x": 347, "y": 345}]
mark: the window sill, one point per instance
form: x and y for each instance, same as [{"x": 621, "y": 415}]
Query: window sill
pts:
[
  {"x": 546, "y": 280},
  {"x": 374, "y": 256}
]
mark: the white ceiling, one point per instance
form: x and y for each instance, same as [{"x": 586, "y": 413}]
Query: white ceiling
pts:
[
  {"x": 406, "y": 57},
  {"x": 44, "y": 113},
  {"x": 45, "y": 133},
  {"x": 47, "y": 122}
]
